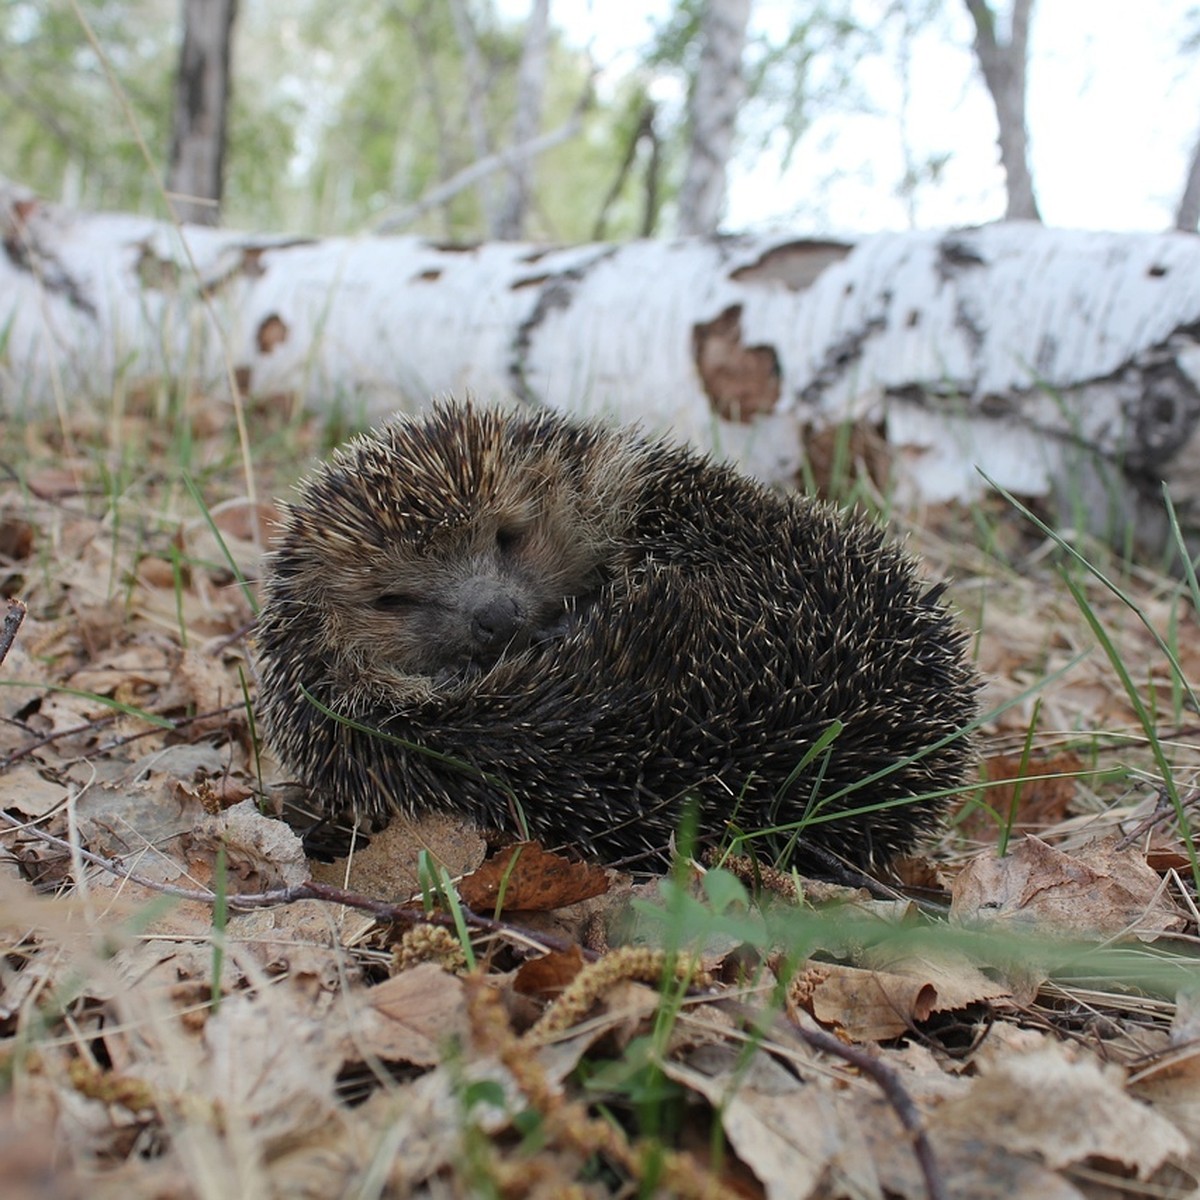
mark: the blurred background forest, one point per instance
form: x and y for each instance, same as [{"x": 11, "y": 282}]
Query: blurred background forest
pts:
[{"x": 573, "y": 120}]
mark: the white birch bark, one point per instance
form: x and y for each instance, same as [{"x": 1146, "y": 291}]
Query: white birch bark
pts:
[
  {"x": 527, "y": 120},
  {"x": 713, "y": 104},
  {"x": 1047, "y": 359}
]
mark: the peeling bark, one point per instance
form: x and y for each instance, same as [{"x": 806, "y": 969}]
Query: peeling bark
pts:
[
  {"x": 1055, "y": 362},
  {"x": 740, "y": 381}
]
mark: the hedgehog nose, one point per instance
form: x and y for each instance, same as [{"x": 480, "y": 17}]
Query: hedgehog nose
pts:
[{"x": 494, "y": 622}]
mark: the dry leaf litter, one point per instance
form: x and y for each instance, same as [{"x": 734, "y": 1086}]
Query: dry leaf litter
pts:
[{"x": 155, "y": 1041}]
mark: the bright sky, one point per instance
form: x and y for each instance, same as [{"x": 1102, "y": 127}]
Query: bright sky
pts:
[{"x": 1114, "y": 109}]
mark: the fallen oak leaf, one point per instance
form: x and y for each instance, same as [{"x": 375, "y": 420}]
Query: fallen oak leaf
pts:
[
  {"x": 1100, "y": 889},
  {"x": 549, "y": 973},
  {"x": 1062, "y": 1105},
  {"x": 1046, "y": 788},
  {"x": 527, "y": 878},
  {"x": 411, "y": 1015},
  {"x": 878, "y": 1005}
]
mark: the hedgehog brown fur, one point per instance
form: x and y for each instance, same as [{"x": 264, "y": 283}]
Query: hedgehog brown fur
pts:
[{"x": 523, "y": 618}]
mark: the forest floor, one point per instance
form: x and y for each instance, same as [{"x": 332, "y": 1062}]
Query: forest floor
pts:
[{"x": 1008, "y": 1015}]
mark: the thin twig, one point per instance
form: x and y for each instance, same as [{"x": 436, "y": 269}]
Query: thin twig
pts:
[
  {"x": 14, "y": 614},
  {"x": 884, "y": 1077},
  {"x": 108, "y": 718},
  {"x": 384, "y": 911}
]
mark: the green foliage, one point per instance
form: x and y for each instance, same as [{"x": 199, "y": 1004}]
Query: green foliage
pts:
[
  {"x": 64, "y": 129},
  {"x": 340, "y": 113}
]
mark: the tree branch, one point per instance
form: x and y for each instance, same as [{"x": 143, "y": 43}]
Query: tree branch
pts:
[
  {"x": 14, "y": 614},
  {"x": 393, "y": 220}
]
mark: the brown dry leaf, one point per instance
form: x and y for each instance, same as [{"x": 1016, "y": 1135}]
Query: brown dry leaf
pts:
[
  {"x": 98, "y": 622},
  {"x": 1170, "y": 1079},
  {"x": 272, "y": 1066},
  {"x": 60, "y": 711},
  {"x": 28, "y": 792},
  {"x": 242, "y": 519},
  {"x": 970, "y": 1168},
  {"x": 877, "y": 1005},
  {"x": 19, "y": 664},
  {"x": 413, "y": 1015},
  {"x": 127, "y": 672},
  {"x": 136, "y": 820},
  {"x": 140, "y": 812},
  {"x": 549, "y": 973},
  {"x": 16, "y": 538},
  {"x": 201, "y": 683},
  {"x": 1046, "y": 791},
  {"x": 261, "y": 853},
  {"x": 1099, "y": 889},
  {"x": 156, "y": 572},
  {"x": 1171, "y": 1085},
  {"x": 31, "y": 1156},
  {"x": 54, "y": 483},
  {"x": 1062, "y": 1105},
  {"x": 424, "y": 1126},
  {"x": 215, "y": 794},
  {"x": 531, "y": 880},
  {"x": 245, "y": 532},
  {"x": 388, "y": 866},
  {"x": 794, "y": 1136},
  {"x": 628, "y": 1005}
]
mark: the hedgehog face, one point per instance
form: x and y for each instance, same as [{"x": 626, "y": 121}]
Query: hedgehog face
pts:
[
  {"x": 452, "y": 604},
  {"x": 413, "y": 564}
]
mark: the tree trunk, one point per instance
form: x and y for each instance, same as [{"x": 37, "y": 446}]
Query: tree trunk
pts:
[
  {"x": 1187, "y": 215},
  {"x": 713, "y": 104},
  {"x": 1054, "y": 362},
  {"x": 423, "y": 41},
  {"x": 1004, "y": 68},
  {"x": 475, "y": 92},
  {"x": 531, "y": 87},
  {"x": 198, "y": 127}
]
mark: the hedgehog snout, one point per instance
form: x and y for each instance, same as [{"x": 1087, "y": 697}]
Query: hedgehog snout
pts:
[
  {"x": 494, "y": 613},
  {"x": 495, "y": 621}
]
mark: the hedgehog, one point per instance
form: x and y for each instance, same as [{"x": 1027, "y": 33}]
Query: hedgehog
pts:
[{"x": 567, "y": 631}]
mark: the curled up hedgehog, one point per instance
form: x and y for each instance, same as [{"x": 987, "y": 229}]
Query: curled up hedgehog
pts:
[{"x": 564, "y": 630}]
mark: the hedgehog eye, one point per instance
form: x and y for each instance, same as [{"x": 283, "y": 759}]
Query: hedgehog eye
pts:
[
  {"x": 508, "y": 539},
  {"x": 393, "y": 602}
]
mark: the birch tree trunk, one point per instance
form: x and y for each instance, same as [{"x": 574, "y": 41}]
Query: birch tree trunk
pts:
[
  {"x": 715, "y": 99},
  {"x": 1004, "y": 69},
  {"x": 531, "y": 87},
  {"x": 1187, "y": 215},
  {"x": 473, "y": 66},
  {"x": 1057, "y": 363},
  {"x": 195, "y": 176}
]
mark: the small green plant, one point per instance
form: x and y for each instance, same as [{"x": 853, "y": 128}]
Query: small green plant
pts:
[
  {"x": 438, "y": 891},
  {"x": 1141, "y": 707},
  {"x": 220, "y": 921}
]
